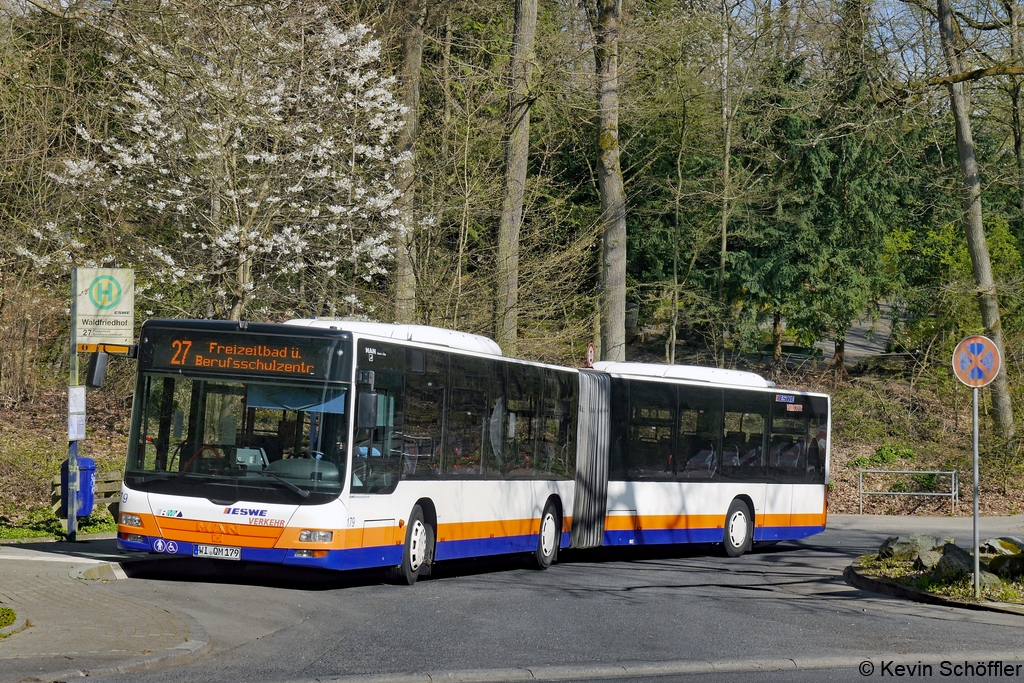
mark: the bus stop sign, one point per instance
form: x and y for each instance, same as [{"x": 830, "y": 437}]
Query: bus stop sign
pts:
[{"x": 976, "y": 361}]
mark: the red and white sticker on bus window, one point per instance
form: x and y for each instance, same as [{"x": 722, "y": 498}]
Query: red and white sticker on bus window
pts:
[{"x": 795, "y": 408}]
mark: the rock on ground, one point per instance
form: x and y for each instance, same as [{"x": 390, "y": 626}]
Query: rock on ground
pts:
[
  {"x": 908, "y": 548},
  {"x": 1010, "y": 567},
  {"x": 1002, "y": 546},
  {"x": 927, "y": 559},
  {"x": 956, "y": 563}
]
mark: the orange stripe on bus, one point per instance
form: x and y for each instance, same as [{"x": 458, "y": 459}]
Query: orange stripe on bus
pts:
[
  {"x": 640, "y": 522},
  {"x": 464, "y": 531},
  {"x": 637, "y": 522}
]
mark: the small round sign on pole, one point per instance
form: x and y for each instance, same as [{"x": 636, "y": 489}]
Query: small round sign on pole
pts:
[
  {"x": 976, "y": 362},
  {"x": 591, "y": 355}
]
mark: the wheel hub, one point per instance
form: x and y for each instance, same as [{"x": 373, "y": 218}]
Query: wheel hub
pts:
[
  {"x": 738, "y": 529},
  {"x": 547, "y": 534},
  {"x": 417, "y": 545}
]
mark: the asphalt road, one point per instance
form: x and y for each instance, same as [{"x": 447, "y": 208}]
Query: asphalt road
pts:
[{"x": 689, "y": 609}]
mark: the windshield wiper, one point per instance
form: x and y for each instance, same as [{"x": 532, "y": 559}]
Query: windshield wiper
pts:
[
  {"x": 167, "y": 476},
  {"x": 143, "y": 479},
  {"x": 299, "y": 490}
]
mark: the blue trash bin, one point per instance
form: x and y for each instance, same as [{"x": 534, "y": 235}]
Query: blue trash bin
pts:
[{"x": 86, "y": 487}]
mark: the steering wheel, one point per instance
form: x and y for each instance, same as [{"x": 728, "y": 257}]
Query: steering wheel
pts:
[{"x": 202, "y": 449}]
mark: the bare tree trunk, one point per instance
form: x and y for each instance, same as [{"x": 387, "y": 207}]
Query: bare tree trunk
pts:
[
  {"x": 516, "y": 155},
  {"x": 674, "y": 323},
  {"x": 405, "y": 256},
  {"x": 726, "y": 155},
  {"x": 1013, "y": 12},
  {"x": 446, "y": 85},
  {"x": 727, "y": 146},
  {"x": 960, "y": 102},
  {"x": 777, "y": 337},
  {"x": 605, "y": 22},
  {"x": 839, "y": 359}
]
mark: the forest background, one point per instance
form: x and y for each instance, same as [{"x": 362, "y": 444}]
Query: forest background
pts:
[{"x": 721, "y": 182}]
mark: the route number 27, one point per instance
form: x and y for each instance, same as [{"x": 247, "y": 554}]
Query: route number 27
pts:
[{"x": 180, "y": 351}]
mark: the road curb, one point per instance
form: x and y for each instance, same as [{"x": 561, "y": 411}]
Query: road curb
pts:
[
  {"x": 20, "y": 624},
  {"x": 106, "y": 571},
  {"x": 626, "y": 670},
  {"x": 197, "y": 645},
  {"x": 104, "y": 536},
  {"x": 854, "y": 577}
]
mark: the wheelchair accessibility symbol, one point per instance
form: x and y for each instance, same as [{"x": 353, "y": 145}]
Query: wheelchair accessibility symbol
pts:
[{"x": 172, "y": 547}]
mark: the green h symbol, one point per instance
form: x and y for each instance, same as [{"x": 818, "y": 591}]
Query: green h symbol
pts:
[{"x": 105, "y": 292}]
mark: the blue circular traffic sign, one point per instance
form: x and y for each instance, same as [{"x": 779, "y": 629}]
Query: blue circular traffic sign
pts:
[{"x": 976, "y": 361}]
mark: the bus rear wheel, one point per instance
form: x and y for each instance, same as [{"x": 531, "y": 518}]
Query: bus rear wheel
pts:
[
  {"x": 548, "y": 538},
  {"x": 418, "y": 552},
  {"x": 739, "y": 529}
]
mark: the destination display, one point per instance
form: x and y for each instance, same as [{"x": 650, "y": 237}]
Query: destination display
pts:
[{"x": 183, "y": 350}]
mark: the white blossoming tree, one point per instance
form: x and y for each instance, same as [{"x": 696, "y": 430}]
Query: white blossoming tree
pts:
[{"x": 250, "y": 151}]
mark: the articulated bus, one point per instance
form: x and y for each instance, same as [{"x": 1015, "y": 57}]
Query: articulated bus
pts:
[{"x": 347, "y": 445}]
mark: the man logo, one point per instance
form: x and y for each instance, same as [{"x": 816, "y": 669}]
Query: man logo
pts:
[{"x": 105, "y": 292}]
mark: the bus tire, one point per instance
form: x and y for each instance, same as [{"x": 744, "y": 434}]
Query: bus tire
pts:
[
  {"x": 418, "y": 552},
  {"x": 739, "y": 529},
  {"x": 548, "y": 538}
]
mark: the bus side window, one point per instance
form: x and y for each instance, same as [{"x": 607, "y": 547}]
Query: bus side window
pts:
[
  {"x": 619, "y": 419},
  {"x": 745, "y": 422},
  {"x": 787, "y": 444},
  {"x": 523, "y": 396},
  {"x": 467, "y": 418},
  {"x": 700, "y": 424},
  {"x": 377, "y": 456},
  {"x": 651, "y": 420},
  {"x": 494, "y": 428},
  {"x": 425, "y": 380}
]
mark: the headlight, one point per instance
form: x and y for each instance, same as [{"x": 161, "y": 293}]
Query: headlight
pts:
[
  {"x": 308, "y": 536},
  {"x": 130, "y": 520}
]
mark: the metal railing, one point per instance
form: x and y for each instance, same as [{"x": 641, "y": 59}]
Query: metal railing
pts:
[{"x": 954, "y": 487}]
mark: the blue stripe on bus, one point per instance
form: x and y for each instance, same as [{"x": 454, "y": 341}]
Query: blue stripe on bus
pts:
[
  {"x": 669, "y": 536},
  {"x": 477, "y": 547},
  {"x": 662, "y": 536},
  {"x": 350, "y": 558},
  {"x": 784, "y": 533}
]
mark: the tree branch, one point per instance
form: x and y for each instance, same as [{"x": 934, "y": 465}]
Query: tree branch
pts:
[
  {"x": 75, "y": 16},
  {"x": 977, "y": 74}
]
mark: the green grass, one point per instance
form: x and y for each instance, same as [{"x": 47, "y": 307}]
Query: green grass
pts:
[
  {"x": 904, "y": 574},
  {"x": 41, "y": 523},
  {"x": 7, "y": 616},
  {"x": 886, "y": 454}
]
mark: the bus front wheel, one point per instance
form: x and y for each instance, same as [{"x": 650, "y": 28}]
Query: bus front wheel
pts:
[
  {"x": 547, "y": 540},
  {"x": 739, "y": 529},
  {"x": 418, "y": 552}
]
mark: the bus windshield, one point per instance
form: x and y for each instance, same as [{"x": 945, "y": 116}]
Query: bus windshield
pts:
[{"x": 231, "y": 440}]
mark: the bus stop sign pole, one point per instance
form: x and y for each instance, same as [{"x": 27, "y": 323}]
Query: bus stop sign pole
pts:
[{"x": 976, "y": 362}]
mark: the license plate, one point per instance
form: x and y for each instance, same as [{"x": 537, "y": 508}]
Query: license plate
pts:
[{"x": 219, "y": 552}]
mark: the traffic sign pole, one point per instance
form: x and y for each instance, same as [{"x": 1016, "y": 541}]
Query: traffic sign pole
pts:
[
  {"x": 976, "y": 362},
  {"x": 72, "y": 500},
  {"x": 977, "y": 542}
]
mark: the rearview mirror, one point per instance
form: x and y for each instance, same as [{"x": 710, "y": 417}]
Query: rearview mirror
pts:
[
  {"x": 97, "y": 372},
  {"x": 366, "y": 414}
]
